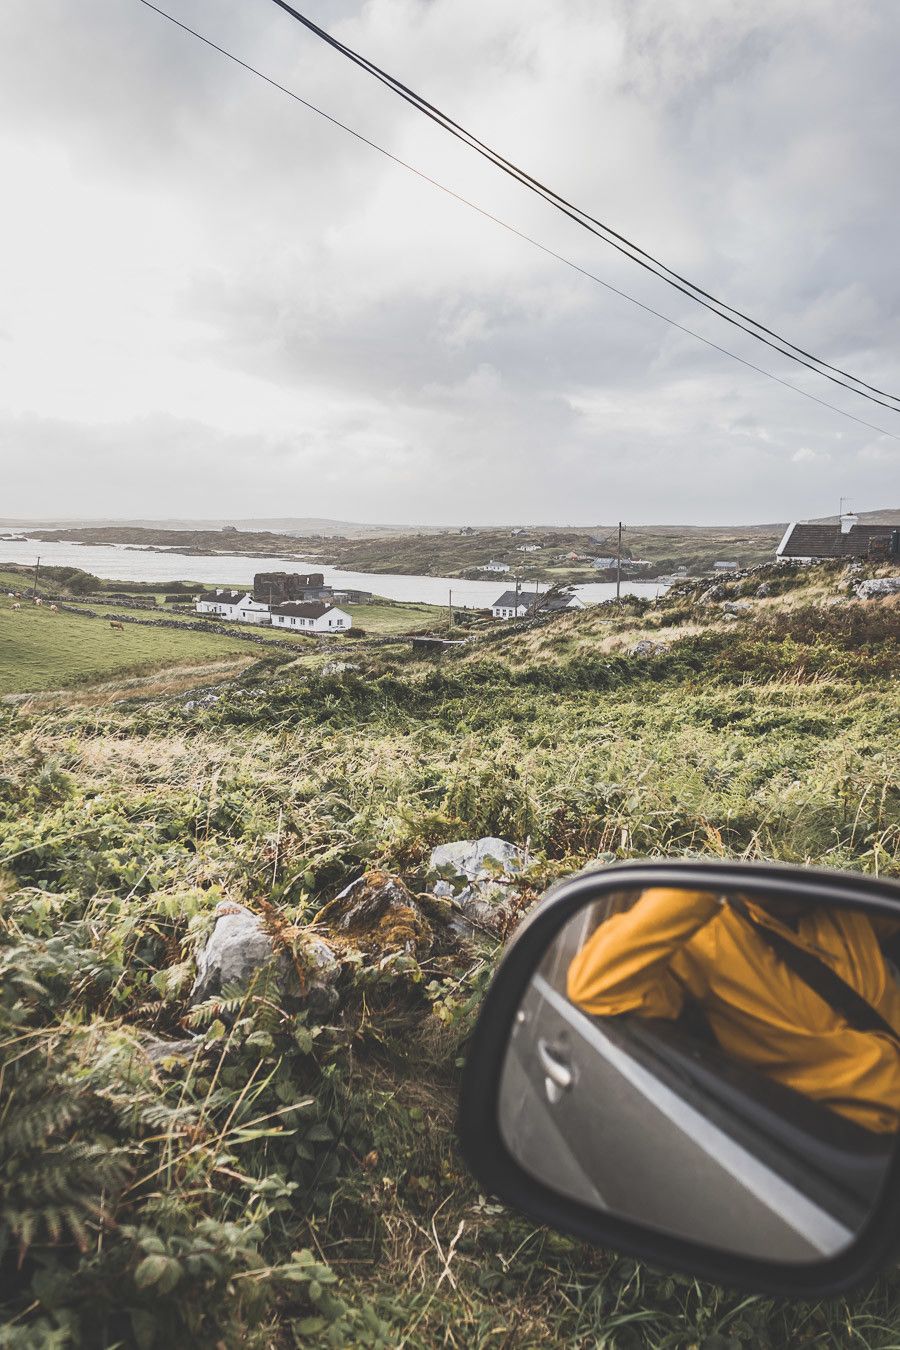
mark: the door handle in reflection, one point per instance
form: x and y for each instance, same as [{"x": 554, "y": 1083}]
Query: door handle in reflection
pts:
[{"x": 558, "y": 1076}]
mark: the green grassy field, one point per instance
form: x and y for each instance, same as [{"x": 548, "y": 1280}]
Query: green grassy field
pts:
[
  {"x": 41, "y": 650},
  {"x": 379, "y": 619},
  {"x": 14, "y": 581}
]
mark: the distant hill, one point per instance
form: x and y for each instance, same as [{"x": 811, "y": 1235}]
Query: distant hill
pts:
[
  {"x": 303, "y": 525},
  {"x": 886, "y": 517},
  {"x": 324, "y": 527}
]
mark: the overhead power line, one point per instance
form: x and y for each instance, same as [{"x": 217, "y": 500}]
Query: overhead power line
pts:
[
  {"x": 512, "y": 229},
  {"x": 605, "y": 232}
]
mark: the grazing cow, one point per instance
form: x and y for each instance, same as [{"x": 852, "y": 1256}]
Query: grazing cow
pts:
[
  {"x": 17, "y": 605},
  {"x": 113, "y": 623},
  {"x": 54, "y": 609},
  {"x": 38, "y": 600}
]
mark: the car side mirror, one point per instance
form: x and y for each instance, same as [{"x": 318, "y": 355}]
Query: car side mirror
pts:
[{"x": 699, "y": 1064}]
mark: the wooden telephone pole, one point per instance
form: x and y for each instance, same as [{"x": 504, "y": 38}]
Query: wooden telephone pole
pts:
[{"x": 619, "y": 565}]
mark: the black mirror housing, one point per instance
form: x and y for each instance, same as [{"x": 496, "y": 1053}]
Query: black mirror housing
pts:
[{"x": 870, "y": 1241}]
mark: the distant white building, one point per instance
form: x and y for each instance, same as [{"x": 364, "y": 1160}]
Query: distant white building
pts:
[
  {"x": 529, "y": 548},
  {"x": 236, "y": 605},
  {"x": 495, "y": 567},
  {"x": 311, "y": 617},
  {"x": 725, "y": 567},
  {"x": 603, "y": 564}
]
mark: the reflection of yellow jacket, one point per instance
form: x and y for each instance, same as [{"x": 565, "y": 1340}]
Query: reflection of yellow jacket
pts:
[{"x": 672, "y": 943}]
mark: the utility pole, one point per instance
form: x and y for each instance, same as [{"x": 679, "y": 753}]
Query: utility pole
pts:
[
  {"x": 37, "y": 568},
  {"x": 619, "y": 565},
  {"x": 450, "y": 608}
]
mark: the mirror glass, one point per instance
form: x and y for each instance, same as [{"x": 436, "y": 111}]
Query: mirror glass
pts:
[{"x": 720, "y": 1067}]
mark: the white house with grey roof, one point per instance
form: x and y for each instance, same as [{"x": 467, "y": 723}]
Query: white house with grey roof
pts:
[
  {"x": 235, "y": 605},
  {"x": 315, "y": 616},
  {"x": 222, "y": 603},
  {"x": 522, "y": 604}
]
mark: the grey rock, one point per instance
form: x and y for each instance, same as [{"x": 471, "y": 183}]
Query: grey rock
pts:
[
  {"x": 764, "y": 589},
  {"x": 205, "y": 701},
  {"x": 238, "y": 947},
  {"x": 713, "y": 594},
  {"x": 479, "y": 875},
  {"x": 477, "y": 859},
  {"x": 877, "y": 587},
  {"x": 159, "y": 1050},
  {"x": 736, "y": 607},
  {"x": 339, "y": 667},
  {"x": 647, "y": 648}
]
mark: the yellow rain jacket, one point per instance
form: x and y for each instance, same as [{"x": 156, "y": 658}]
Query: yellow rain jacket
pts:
[{"x": 674, "y": 943}]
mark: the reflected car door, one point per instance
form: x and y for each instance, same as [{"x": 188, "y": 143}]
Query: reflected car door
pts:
[{"x": 576, "y": 1096}]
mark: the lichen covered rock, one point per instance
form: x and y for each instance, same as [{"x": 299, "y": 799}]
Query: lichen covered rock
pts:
[{"x": 380, "y": 913}]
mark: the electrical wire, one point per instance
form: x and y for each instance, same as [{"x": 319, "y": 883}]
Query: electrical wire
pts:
[
  {"x": 512, "y": 229},
  {"x": 605, "y": 232}
]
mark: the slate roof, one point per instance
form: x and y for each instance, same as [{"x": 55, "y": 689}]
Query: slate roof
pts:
[
  {"x": 313, "y": 609},
  {"x": 811, "y": 540},
  {"x": 223, "y": 598},
  {"x": 509, "y": 599}
]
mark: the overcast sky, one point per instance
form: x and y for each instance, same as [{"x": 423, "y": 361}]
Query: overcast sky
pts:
[{"x": 214, "y": 303}]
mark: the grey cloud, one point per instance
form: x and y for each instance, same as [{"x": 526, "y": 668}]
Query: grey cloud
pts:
[{"x": 441, "y": 369}]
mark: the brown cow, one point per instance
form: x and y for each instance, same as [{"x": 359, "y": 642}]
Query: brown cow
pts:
[
  {"x": 115, "y": 624},
  {"x": 17, "y": 605},
  {"x": 38, "y": 600},
  {"x": 54, "y": 609}
]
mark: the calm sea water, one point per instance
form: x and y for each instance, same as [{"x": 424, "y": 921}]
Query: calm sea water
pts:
[{"x": 124, "y": 563}]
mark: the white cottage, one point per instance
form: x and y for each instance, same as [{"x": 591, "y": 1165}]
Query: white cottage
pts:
[
  {"x": 235, "y": 605},
  {"x": 316, "y": 616},
  {"x": 495, "y": 567},
  {"x": 224, "y": 604},
  {"x": 522, "y": 604}
]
